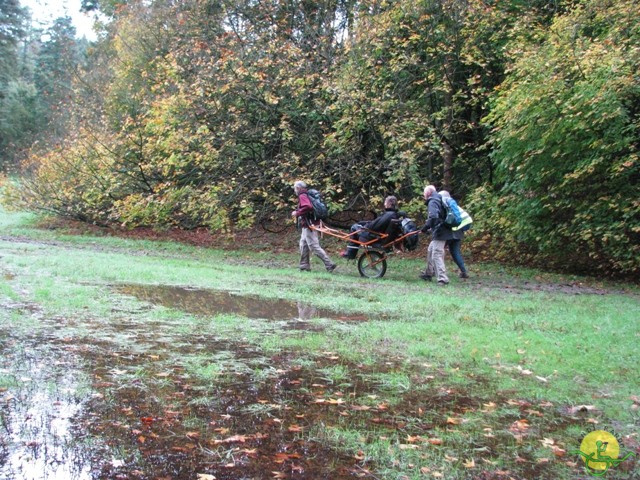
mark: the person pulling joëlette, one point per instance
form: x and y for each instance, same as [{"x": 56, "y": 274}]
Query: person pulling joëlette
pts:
[
  {"x": 309, "y": 240},
  {"x": 440, "y": 233}
]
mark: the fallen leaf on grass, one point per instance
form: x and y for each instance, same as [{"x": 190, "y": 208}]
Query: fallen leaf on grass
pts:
[
  {"x": 329, "y": 401},
  {"x": 279, "y": 475},
  {"x": 521, "y": 425},
  {"x": 470, "y": 463},
  {"x": 233, "y": 439},
  {"x": 408, "y": 446},
  {"x": 282, "y": 457},
  {"x": 582, "y": 408},
  {"x": 548, "y": 442},
  {"x": 488, "y": 407},
  {"x": 535, "y": 413},
  {"x": 435, "y": 441},
  {"x": 205, "y": 476}
]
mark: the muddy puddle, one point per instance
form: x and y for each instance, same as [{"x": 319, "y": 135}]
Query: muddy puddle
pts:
[
  {"x": 182, "y": 406},
  {"x": 213, "y": 302}
]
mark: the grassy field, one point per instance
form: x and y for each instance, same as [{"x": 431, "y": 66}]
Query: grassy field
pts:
[{"x": 182, "y": 362}]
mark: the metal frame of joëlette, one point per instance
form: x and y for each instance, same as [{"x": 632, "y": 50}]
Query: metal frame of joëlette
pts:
[{"x": 353, "y": 237}]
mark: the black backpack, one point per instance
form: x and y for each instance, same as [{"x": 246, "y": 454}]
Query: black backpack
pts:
[
  {"x": 320, "y": 209},
  {"x": 408, "y": 226}
]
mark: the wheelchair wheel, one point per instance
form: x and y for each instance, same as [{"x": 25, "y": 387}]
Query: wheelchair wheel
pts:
[{"x": 372, "y": 264}]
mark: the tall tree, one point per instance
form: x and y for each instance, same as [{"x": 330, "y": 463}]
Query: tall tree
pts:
[
  {"x": 57, "y": 65},
  {"x": 12, "y": 31}
]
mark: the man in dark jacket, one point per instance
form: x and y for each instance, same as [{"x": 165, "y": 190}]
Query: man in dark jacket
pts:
[
  {"x": 386, "y": 223},
  {"x": 440, "y": 234},
  {"x": 309, "y": 241}
]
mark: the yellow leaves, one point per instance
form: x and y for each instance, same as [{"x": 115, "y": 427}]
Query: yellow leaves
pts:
[{"x": 469, "y": 463}]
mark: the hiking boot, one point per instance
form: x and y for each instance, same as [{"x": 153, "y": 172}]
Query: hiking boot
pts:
[
  {"x": 425, "y": 277},
  {"x": 464, "y": 275},
  {"x": 331, "y": 268},
  {"x": 442, "y": 283},
  {"x": 302, "y": 269}
]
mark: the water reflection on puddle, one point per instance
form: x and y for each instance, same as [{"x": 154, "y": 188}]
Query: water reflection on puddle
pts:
[
  {"x": 37, "y": 416},
  {"x": 212, "y": 302}
]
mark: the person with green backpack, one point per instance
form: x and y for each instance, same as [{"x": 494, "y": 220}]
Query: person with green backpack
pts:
[{"x": 309, "y": 241}]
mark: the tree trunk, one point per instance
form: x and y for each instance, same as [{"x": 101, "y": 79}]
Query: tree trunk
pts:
[{"x": 447, "y": 156}]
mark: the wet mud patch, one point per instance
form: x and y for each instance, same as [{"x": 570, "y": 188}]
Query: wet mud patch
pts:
[
  {"x": 234, "y": 413},
  {"x": 212, "y": 416},
  {"x": 230, "y": 411}
]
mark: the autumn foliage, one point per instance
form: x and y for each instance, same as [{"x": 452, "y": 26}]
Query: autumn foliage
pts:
[{"x": 206, "y": 112}]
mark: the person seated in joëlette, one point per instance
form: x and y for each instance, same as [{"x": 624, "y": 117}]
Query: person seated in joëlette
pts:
[{"x": 387, "y": 223}]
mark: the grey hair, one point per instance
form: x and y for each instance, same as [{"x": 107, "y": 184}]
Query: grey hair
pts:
[
  {"x": 444, "y": 194},
  {"x": 430, "y": 189},
  {"x": 300, "y": 184}
]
